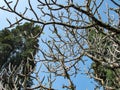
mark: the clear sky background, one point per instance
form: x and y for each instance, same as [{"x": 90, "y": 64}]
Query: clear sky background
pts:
[{"x": 82, "y": 81}]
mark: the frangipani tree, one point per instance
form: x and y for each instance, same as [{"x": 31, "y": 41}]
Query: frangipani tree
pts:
[{"x": 77, "y": 28}]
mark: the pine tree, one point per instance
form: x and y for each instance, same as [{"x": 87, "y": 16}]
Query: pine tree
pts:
[{"x": 18, "y": 47}]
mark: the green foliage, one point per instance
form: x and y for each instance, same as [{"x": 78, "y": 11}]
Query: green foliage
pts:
[
  {"x": 19, "y": 44},
  {"x": 107, "y": 75},
  {"x": 99, "y": 45}
]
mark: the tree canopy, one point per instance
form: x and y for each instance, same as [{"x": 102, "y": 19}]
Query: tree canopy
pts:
[
  {"x": 18, "y": 48},
  {"x": 73, "y": 30}
]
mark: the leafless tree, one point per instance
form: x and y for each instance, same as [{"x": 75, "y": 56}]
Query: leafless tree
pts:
[{"x": 77, "y": 28}]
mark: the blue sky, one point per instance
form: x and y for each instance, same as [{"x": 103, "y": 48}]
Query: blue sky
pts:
[{"x": 82, "y": 82}]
